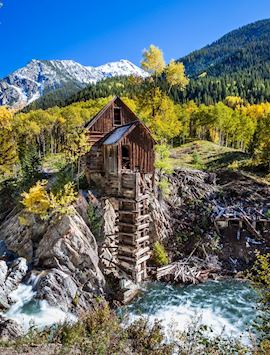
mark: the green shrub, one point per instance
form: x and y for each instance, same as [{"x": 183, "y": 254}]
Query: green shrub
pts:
[
  {"x": 100, "y": 332},
  {"x": 94, "y": 220},
  {"x": 197, "y": 161},
  {"x": 160, "y": 256},
  {"x": 164, "y": 186}
]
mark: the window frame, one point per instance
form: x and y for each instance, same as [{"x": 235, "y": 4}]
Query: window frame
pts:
[{"x": 120, "y": 115}]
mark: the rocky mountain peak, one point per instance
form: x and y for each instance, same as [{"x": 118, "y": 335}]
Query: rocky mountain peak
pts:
[{"x": 40, "y": 77}]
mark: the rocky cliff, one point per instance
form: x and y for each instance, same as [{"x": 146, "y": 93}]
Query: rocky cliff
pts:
[{"x": 62, "y": 253}]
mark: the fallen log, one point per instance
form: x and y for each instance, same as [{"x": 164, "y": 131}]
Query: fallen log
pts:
[{"x": 189, "y": 270}]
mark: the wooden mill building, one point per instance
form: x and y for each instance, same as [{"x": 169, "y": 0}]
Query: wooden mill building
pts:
[{"x": 122, "y": 157}]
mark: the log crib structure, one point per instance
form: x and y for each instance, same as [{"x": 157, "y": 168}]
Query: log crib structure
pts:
[{"x": 121, "y": 159}]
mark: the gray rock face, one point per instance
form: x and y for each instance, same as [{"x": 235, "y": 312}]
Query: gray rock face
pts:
[
  {"x": 16, "y": 273},
  {"x": 40, "y": 77},
  {"x": 65, "y": 249},
  {"x": 17, "y": 237},
  {"x": 10, "y": 278},
  {"x": 70, "y": 246},
  {"x": 9, "y": 330},
  {"x": 57, "y": 288}
]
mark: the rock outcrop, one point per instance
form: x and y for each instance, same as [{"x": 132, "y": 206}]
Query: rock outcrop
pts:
[
  {"x": 9, "y": 330},
  {"x": 57, "y": 288},
  {"x": 10, "y": 278},
  {"x": 66, "y": 252}
]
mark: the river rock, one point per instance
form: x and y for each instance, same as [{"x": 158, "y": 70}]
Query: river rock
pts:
[
  {"x": 10, "y": 278},
  {"x": 9, "y": 329},
  {"x": 3, "y": 276},
  {"x": 64, "y": 248},
  {"x": 68, "y": 250},
  {"x": 16, "y": 273},
  {"x": 57, "y": 288}
]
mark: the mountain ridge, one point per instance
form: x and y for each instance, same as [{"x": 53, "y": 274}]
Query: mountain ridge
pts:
[
  {"x": 236, "y": 50},
  {"x": 40, "y": 77}
]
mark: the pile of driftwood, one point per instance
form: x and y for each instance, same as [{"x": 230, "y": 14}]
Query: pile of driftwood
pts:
[
  {"x": 190, "y": 270},
  {"x": 246, "y": 216},
  {"x": 238, "y": 211},
  {"x": 190, "y": 185}
]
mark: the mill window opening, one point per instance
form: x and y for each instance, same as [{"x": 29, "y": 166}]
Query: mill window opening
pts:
[
  {"x": 125, "y": 157},
  {"x": 117, "y": 116}
]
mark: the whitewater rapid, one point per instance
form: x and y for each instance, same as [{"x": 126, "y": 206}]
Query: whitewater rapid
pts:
[
  {"x": 29, "y": 312},
  {"x": 227, "y": 307}
]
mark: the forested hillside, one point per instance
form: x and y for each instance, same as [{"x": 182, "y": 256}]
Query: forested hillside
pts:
[
  {"x": 238, "y": 64},
  {"x": 243, "y": 50}
]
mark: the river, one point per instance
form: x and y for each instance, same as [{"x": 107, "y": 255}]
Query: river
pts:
[{"x": 227, "y": 307}]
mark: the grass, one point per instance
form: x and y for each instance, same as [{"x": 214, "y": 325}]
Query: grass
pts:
[
  {"x": 53, "y": 163},
  {"x": 100, "y": 332},
  {"x": 206, "y": 155}
]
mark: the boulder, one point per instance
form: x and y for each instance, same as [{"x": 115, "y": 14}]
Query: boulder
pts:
[
  {"x": 3, "y": 275},
  {"x": 16, "y": 273},
  {"x": 19, "y": 237},
  {"x": 57, "y": 288},
  {"x": 10, "y": 278},
  {"x": 9, "y": 329}
]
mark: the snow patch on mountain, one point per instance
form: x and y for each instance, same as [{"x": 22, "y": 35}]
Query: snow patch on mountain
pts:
[{"x": 39, "y": 77}]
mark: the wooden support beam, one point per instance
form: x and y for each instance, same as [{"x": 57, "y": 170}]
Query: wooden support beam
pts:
[
  {"x": 142, "y": 239},
  {"x": 142, "y": 251},
  {"x": 144, "y": 258}
]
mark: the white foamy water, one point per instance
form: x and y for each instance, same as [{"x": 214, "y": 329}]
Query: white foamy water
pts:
[
  {"x": 29, "y": 312},
  {"x": 227, "y": 307}
]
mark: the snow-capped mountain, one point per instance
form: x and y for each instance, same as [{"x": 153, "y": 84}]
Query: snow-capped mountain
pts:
[{"x": 40, "y": 77}]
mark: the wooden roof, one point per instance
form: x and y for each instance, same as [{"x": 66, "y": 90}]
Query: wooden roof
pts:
[
  {"x": 121, "y": 132},
  {"x": 95, "y": 118}
]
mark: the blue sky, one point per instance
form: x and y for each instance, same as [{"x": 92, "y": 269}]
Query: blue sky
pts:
[{"x": 95, "y": 32}]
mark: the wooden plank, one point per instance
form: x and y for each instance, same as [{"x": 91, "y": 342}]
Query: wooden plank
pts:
[
  {"x": 142, "y": 251},
  {"x": 128, "y": 259},
  {"x": 128, "y": 212},
  {"x": 142, "y": 239},
  {"x": 142, "y": 226},
  {"x": 127, "y": 249},
  {"x": 144, "y": 258},
  {"x": 143, "y": 217}
]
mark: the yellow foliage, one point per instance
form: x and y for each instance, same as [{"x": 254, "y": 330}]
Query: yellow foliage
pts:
[
  {"x": 43, "y": 204},
  {"x": 214, "y": 136},
  {"x": 37, "y": 200},
  {"x": 5, "y": 118},
  {"x": 234, "y": 101},
  {"x": 175, "y": 75},
  {"x": 153, "y": 61},
  {"x": 161, "y": 115},
  {"x": 62, "y": 201},
  {"x": 8, "y": 147}
]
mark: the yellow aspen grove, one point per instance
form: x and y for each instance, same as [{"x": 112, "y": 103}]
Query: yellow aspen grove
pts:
[{"x": 8, "y": 156}]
